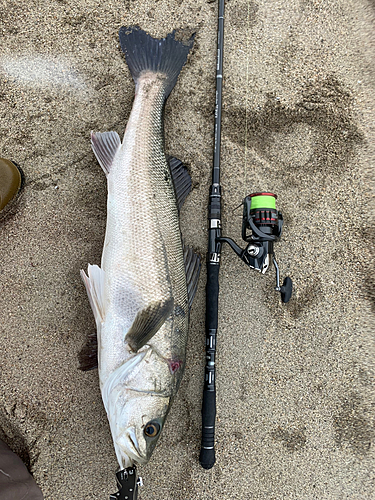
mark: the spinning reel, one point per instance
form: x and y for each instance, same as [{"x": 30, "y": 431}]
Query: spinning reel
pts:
[{"x": 261, "y": 227}]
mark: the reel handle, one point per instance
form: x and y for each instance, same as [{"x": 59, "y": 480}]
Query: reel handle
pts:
[{"x": 286, "y": 290}]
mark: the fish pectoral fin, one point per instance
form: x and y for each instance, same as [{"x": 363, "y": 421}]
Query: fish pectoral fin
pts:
[
  {"x": 147, "y": 322},
  {"x": 105, "y": 146},
  {"x": 181, "y": 179},
  {"x": 94, "y": 284},
  {"x": 192, "y": 270}
]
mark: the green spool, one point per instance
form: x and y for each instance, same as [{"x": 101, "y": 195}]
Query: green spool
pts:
[{"x": 263, "y": 201}]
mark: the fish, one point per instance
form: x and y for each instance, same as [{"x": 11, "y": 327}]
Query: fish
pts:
[{"x": 142, "y": 293}]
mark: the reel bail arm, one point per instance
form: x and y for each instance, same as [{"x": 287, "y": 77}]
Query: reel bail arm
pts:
[{"x": 265, "y": 223}]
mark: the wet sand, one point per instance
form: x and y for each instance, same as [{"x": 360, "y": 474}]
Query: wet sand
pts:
[{"x": 295, "y": 382}]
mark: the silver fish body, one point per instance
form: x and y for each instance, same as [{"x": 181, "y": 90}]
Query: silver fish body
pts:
[{"x": 139, "y": 296}]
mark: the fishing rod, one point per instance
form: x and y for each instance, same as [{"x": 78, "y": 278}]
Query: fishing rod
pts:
[
  {"x": 261, "y": 228},
  {"x": 207, "y": 454}
]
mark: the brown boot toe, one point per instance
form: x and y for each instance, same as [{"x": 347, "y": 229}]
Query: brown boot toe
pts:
[{"x": 10, "y": 182}]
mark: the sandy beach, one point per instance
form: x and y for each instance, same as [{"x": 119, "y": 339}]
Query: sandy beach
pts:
[{"x": 295, "y": 382}]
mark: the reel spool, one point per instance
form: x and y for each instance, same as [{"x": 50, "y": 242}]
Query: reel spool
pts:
[{"x": 261, "y": 227}]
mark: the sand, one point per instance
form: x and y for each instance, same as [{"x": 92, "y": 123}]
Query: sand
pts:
[{"x": 295, "y": 416}]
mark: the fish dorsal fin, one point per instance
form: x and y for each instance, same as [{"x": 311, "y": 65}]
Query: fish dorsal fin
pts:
[
  {"x": 94, "y": 284},
  {"x": 105, "y": 146},
  {"x": 192, "y": 270},
  {"x": 181, "y": 179},
  {"x": 147, "y": 323}
]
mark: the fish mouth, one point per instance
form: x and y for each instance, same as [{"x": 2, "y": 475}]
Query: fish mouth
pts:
[
  {"x": 133, "y": 442},
  {"x": 128, "y": 449}
]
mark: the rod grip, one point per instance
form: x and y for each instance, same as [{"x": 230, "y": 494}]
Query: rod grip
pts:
[
  {"x": 207, "y": 454},
  {"x": 212, "y": 297}
]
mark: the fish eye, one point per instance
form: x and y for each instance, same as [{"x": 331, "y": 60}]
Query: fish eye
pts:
[{"x": 152, "y": 429}]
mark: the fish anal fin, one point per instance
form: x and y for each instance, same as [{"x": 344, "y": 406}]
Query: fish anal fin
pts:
[
  {"x": 192, "y": 270},
  {"x": 94, "y": 283},
  {"x": 147, "y": 322},
  {"x": 181, "y": 179},
  {"x": 105, "y": 146}
]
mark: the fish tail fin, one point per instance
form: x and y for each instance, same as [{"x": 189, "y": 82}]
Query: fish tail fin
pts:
[{"x": 142, "y": 52}]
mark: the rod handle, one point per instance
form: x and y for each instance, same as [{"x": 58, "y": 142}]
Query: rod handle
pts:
[{"x": 207, "y": 454}]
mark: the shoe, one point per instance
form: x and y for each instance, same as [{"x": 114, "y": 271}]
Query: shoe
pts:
[
  {"x": 11, "y": 182},
  {"x": 16, "y": 483}
]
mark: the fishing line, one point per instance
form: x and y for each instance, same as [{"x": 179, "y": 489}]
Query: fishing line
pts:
[{"x": 247, "y": 89}]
